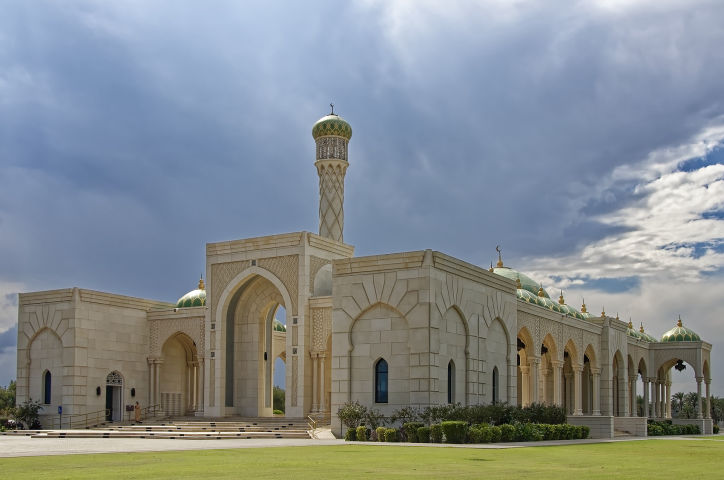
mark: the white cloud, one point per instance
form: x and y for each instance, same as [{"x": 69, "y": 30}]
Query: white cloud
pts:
[{"x": 9, "y": 304}]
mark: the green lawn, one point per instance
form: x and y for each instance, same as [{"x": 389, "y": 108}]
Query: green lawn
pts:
[{"x": 639, "y": 459}]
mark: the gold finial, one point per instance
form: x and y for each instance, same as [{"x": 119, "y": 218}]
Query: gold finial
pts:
[
  {"x": 617, "y": 316},
  {"x": 540, "y": 291},
  {"x": 603, "y": 312},
  {"x": 332, "y": 105},
  {"x": 500, "y": 257},
  {"x": 491, "y": 267},
  {"x": 679, "y": 324},
  {"x": 630, "y": 324},
  {"x": 517, "y": 282},
  {"x": 560, "y": 299},
  {"x": 642, "y": 327},
  {"x": 201, "y": 283},
  {"x": 583, "y": 306}
]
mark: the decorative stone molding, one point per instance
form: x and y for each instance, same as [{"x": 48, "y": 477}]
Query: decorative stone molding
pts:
[
  {"x": 286, "y": 269},
  {"x": 321, "y": 329}
]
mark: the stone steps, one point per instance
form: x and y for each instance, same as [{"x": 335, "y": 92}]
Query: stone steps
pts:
[{"x": 183, "y": 428}]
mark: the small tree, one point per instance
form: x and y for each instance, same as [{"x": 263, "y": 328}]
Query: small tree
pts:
[
  {"x": 278, "y": 395},
  {"x": 352, "y": 414},
  {"x": 28, "y": 413},
  {"x": 7, "y": 399}
]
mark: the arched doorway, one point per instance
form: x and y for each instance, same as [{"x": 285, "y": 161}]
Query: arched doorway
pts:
[
  {"x": 179, "y": 375},
  {"x": 114, "y": 397}
]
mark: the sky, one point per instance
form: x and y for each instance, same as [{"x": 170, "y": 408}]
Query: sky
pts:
[{"x": 586, "y": 138}]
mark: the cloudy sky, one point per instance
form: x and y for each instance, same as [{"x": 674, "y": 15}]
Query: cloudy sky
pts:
[{"x": 585, "y": 138}]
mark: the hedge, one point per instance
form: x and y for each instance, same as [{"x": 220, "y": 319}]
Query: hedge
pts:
[
  {"x": 390, "y": 435},
  {"x": 423, "y": 435},
  {"x": 436, "y": 433},
  {"x": 351, "y": 434},
  {"x": 410, "y": 431},
  {"x": 455, "y": 431},
  {"x": 655, "y": 429},
  {"x": 380, "y": 434},
  {"x": 361, "y": 433}
]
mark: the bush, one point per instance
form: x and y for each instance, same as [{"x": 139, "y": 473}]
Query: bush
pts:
[
  {"x": 390, "y": 435},
  {"x": 423, "y": 435},
  {"x": 350, "y": 435},
  {"x": 481, "y": 433},
  {"x": 28, "y": 413},
  {"x": 361, "y": 433},
  {"x": 373, "y": 436},
  {"x": 585, "y": 431},
  {"x": 495, "y": 433},
  {"x": 380, "y": 434},
  {"x": 716, "y": 429},
  {"x": 436, "y": 433},
  {"x": 455, "y": 431},
  {"x": 410, "y": 430},
  {"x": 507, "y": 432},
  {"x": 654, "y": 430},
  {"x": 527, "y": 432},
  {"x": 374, "y": 419},
  {"x": 278, "y": 412},
  {"x": 352, "y": 414}
]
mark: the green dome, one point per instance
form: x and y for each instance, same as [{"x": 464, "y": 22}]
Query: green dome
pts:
[
  {"x": 332, "y": 125},
  {"x": 526, "y": 296},
  {"x": 195, "y": 298},
  {"x": 680, "y": 334},
  {"x": 631, "y": 332},
  {"x": 646, "y": 337},
  {"x": 526, "y": 283},
  {"x": 278, "y": 326}
]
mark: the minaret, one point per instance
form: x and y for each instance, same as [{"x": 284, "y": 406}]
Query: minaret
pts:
[{"x": 332, "y": 135}]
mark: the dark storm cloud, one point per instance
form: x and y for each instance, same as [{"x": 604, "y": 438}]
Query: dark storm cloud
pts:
[{"x": 9, "y": 338}]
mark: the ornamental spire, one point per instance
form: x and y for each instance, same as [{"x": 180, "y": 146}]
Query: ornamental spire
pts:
[
  {"x": 679, "y": 324},
  {"x": 201, "y": 283},
  {"x": 500, "y": 257}
]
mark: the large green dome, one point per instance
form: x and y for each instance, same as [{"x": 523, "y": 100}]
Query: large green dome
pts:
[
  {"x": 332, "y": 125},
  {"x": 526, "y": 283},
  {"x": 195, "y": 298},
  {"x": 680, "y": 334}
]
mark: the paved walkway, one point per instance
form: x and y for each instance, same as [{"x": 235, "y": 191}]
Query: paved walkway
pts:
[{"x": 17, "y": 446}]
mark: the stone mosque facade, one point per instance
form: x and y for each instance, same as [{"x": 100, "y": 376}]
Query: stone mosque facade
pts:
[{"x": 413, "y": 328}]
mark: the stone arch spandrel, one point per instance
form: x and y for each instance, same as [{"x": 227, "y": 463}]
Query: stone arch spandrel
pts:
[
  {"x": 574, "y": 351},
  {"x": 219, "y": 314},
  {"x": 163, "y": 330}
]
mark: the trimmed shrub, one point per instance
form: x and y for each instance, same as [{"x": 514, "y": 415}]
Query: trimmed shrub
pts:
[
  {"x": 495, "y": 433},
  {"x": 410, "y": 430},
  {"x": 585, "y": 431},
  {"x": 423, "y": 435},
  {"x": 527, "y": 432},
  {"x": 455, "y": 431},
  {"x": 390, "y": 435},
  {"x": 380, "y": 433},
  {"x": 361, "y": 433},
  {"x": 716, "y": 429},
  {"x": 480, "y": 433},
  {"x": 654, "y": 430},
  {"x": 436, "y": 433},
  {"x": 507, "y": 432},
  {"x": 351, "y": 435}
]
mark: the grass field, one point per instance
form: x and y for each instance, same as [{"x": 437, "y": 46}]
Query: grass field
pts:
[{"x": 658, "y": 459}]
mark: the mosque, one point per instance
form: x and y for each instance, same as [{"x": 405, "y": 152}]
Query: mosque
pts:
[{"x": 413, "y": 328}]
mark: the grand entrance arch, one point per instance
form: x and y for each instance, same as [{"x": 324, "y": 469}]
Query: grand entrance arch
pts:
[{"x": 252, "y": 343}]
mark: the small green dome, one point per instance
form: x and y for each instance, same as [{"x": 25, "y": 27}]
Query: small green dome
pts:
[
  {"x": 526, "y": 283},
  {"x": 680, "y": 334},
  {"x": 195, "y": 298},
  {"x": 526, "y": 296},
  {"x": 646, "y": 337},
  {"x": 631, "y": 332},
  {"x": 278, "y": 326},
  {"x": 332, "y": 125}
]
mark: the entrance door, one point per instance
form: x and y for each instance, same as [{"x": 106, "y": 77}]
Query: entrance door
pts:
[{"x": 109, "y": 403}]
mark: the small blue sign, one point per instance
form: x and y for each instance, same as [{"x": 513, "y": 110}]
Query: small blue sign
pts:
[{"x": 60, "y": 409}]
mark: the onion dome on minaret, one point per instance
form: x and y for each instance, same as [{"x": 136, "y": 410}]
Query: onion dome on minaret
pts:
[
  {"x": 331, "y": 135},
  {"x": 195, "y": 298},
  {"x": 680, "y": 334}
]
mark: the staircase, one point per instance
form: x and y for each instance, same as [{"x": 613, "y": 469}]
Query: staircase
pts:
[{"x": 183, "y": 429}]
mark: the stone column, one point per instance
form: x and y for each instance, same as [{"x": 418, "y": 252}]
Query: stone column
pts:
[
  {"x": 698, "y": 402},
  {"x": 568, "y": 400},
  {"x": 200, "y": 387},
  {"x": 632, "y": 393},
  {"x": 524, "y": 386},
  {"x": 647, "y": 413},
  {"x": 707, "y": 414},
  {"x": 557, "y": 366},
  {"x": 315, "y": 382},
  {"x": 577, "y": 393},
  {"x": 657, "y": 393},
  {"x": 534, "y": 363},
  {"x": 668, "y": 399},
  {"x": 323, "y": 403},
  {"x": 151, "y": 382},
  {"x": 157, "y": 380},
  {"x": 596, "y": 391}
]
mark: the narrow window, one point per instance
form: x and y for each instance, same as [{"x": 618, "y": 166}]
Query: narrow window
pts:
[
  {"x": 451, "y": 382},
  {"x": 46, "y": 387},
  {"x": 381, "y": 381},
  {"x": 495, "y": 386}
]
